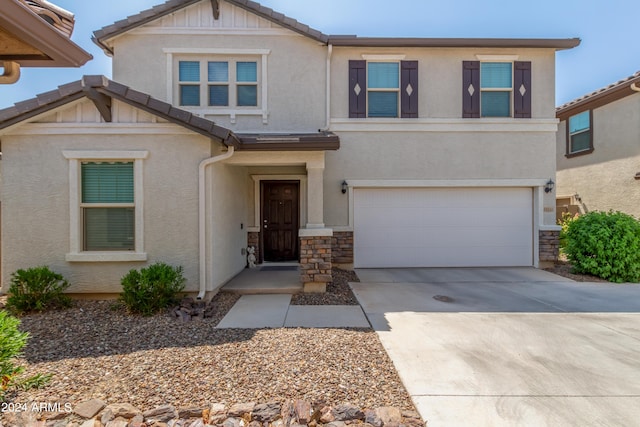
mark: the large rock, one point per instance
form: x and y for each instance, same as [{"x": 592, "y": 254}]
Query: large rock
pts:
[
  {"x": 347, "y": 413},
  {"x": 371, "y": 417},
  {"x": 161, "y": 414},
  {"x": 266, "y": 412},
  {"x": 241, "y": 409},
  {"x": 89, "y": 408},
  {"x": 190, "y": 412},
  {"x": 122, "y": 410},
  {"x": 390, "y": 416},
  {"x": 303, "y": 411},
  {"x": 233, "y": 422}
]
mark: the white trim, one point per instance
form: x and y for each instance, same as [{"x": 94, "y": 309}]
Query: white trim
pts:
[
  {"x": 215, "y": 51},
  {"x": 206, "y": 31},
  {"x": 76, "y": 254},
  {"x": 101, "y": 155},
  {"x": 383, "y": 57},
  {"x": 497, "y": 57},
  {"x": 103, "y": 129},
  {"x": 257, "y": 179},
  {"x": 106, "y": 257},
  {"x": 419, "y": 183},
  {"x": 444, "y": 125},
  {"x": 169, "y": 77},
  {"x": 315, "y": 232}
]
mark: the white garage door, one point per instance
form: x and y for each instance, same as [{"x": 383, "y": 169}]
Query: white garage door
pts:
[{"x": 443, "y": 227}]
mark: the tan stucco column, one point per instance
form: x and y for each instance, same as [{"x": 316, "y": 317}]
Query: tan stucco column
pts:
[{"x": 315, "y": 195}]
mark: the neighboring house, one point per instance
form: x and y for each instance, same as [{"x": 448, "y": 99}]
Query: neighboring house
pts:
[
  {"x": 228, "y": 124},
  {"x": 598, "y": 150},
  {"x": 36, "y": 33}
]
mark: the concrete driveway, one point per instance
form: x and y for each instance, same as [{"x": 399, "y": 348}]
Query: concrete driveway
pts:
[{"x": 509, "y": 346}]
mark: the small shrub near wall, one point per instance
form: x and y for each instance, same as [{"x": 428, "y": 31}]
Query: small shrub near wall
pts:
[
  {"x": 606, "y": 245},
  {"x": 37, "y": 289},
  {"x": 152, "y": 289}
]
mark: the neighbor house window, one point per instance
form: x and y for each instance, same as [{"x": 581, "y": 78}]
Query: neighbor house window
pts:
[
  {"x": 579, "y": 134},
  {"x": 106, "y": 205},
  {"x": 218, "y": 83},
  {"x": 496, "y": 85},
  {"x": 383, "y": 89}
]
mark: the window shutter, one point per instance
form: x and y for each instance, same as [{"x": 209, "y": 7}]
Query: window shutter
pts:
[
  {"x": 409, "y": 89},
  {"x": 522, "y": 89},
  {"x": 357, "y": 89},
  {"x": 470, "y": 89}
]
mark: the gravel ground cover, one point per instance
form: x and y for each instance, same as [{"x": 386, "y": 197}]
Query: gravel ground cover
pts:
[
  {"x": 97, "y": 350},
  {"x": 338, "y": 292}
]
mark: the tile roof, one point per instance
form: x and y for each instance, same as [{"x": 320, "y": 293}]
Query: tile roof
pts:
[
  {"x": 146, "y": 16},
  {"x": 600, "y": 97},
  {"x": 101, "y": 90}
]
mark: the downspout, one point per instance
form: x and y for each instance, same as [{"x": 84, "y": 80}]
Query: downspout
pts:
[
  {"x": 328, "y": 96},
  {"x": 202, "y": 207},
  {"x": 634, "y": 87},
  {"x": 11, "y": 72}
]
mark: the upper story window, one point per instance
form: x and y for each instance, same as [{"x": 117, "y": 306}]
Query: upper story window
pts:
[
  {"x": 579, "y": 134},
  {"x": 496, "y": 85},
  {"x": 496, "y": 89},
  {"x": 383, "y": 89},
  {"x": 218, "y": 83}
]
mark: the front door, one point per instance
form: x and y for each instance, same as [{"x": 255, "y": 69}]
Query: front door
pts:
[{"x": 280, "y": 220}]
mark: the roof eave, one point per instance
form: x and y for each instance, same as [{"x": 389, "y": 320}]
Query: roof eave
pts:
[
  {"x": 355, "y": 41},
  {"x": 20, "y": 20}
]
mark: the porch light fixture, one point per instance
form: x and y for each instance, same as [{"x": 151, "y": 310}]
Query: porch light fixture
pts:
[
  {"x": 344, "y": 187},
  {"x": 548, "y": 187}
]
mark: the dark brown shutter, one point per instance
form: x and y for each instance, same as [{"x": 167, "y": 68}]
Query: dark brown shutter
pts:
[
  {"x": 470, "y": 89},
  {"x": 357, "y": 89},
  {"x": 409, "y": 89},
  {"x": 522, "y": 89}
]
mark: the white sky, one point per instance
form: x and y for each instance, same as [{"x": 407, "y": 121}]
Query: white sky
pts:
[{"x": 610, "y": 33}]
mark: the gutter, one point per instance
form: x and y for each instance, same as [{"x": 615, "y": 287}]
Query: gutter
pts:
[
  {"x": 634, "y": 87},
  {"x": 202, "y": 206}
]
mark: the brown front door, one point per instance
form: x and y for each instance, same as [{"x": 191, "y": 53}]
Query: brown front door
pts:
[{"x": 280, "y": 220}]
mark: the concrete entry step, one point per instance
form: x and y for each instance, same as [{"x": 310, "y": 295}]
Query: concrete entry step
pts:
[{"x": 267, "y": 278}]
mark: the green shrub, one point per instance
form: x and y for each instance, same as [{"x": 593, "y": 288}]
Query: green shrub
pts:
[
  {"x": 152, "y": 289},
  {"x": 565, "y": 222},
  {"x": 605, "y": 244},
  {"x": 12, "y": 342},
  {"x": 37, "y": 289}
]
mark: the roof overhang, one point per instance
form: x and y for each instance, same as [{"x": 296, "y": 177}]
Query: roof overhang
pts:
[
  {"x": 320, "y": 141},
  {"x": 30, "y": 41},
  {"x": 601, "y": 97},
  {"x": 355, "y": 41}
]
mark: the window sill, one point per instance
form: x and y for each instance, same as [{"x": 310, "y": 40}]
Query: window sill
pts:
[
  {"x": 579, "y": 153},
  {"x": 231, "y": 112},
  {"x": 106, "y": 256}
]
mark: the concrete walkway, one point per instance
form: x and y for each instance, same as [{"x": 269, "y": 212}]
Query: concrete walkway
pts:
[
  {"x": 275, "y": 311},
  {"x": 509, "y": 347}
]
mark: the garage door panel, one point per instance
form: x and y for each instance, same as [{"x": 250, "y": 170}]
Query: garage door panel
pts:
[{"x": 420, "y": 227}]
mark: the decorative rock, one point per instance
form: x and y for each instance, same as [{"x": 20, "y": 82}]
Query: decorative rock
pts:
[
  {"x": 255, "y": 424},
  {"x": 266, "y": 412},
  {"x": 372, "y": 418},
  {"x": 326, "y": 415},
  {"x": 336, "y": 424},
  {"x": 196, "y": 423},
  {"x": 389, "y": 416},
  {"x": 89, "y": 423},
  {"x": 233, "y": 422},
  {"x": 303, "y": 411},
  {"x": 90, "y": 408},
  {"x": 118, "y": 422},
  {"x": 122, "y": 410},
  {"x": 190, "y": 413},
  {"x": 137, "y": 421},
  {"x": 162, "y": 414},
  {"x": 347, "y": 412},
  {"x": 241, "y": 409}
]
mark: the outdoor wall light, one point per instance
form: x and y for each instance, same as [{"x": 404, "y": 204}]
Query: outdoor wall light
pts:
[
  {"x": 344, "y": 187},
  {"x": 548, "y": 187}
]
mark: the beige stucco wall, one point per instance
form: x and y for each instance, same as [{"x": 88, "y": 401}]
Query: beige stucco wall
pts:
[
  {"x": 605, "y": 179},
  {"x": 36, "y": 189},
  {"x": 296, "y": 65},
  {"x": 440, "y": 77}
]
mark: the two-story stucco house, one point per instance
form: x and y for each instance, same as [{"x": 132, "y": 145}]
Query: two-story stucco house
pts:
[
  {"x": 228, "y": 124},
  {"x": 598, "y": 150}
]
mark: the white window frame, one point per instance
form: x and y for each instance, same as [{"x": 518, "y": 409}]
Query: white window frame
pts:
[
  {"x": 510, "y": 90},
  {"x": 205, "y": 55},
  {"x": 76, "y": 252}
]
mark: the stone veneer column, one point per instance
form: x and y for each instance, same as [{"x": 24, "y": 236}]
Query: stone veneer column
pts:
[
  {"x": 315, "y": 259},
  {"x": 342, "y": 247},
  {"x": 549, "y": 247}
]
